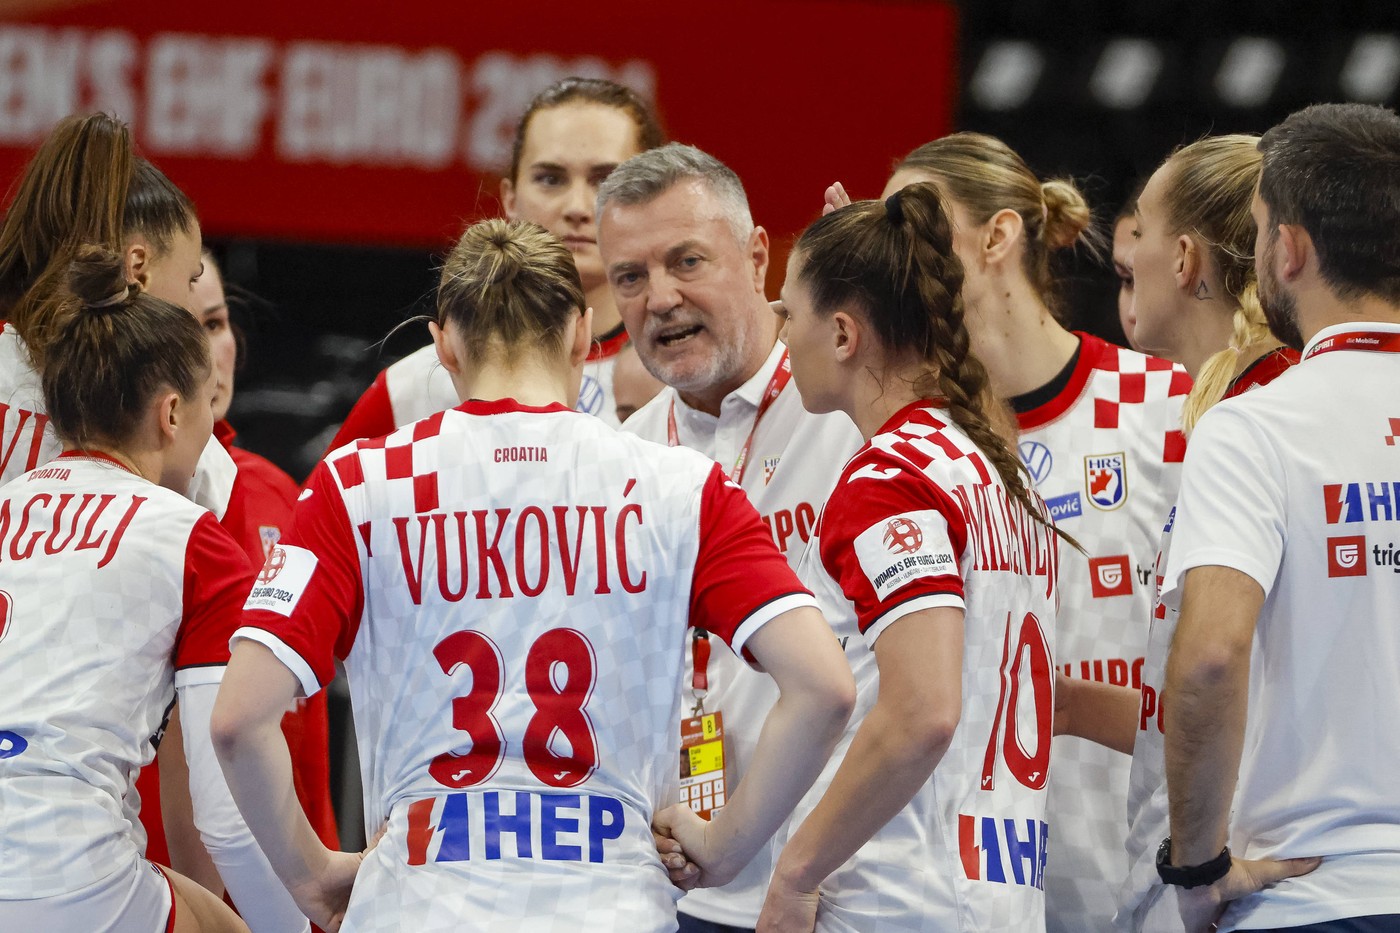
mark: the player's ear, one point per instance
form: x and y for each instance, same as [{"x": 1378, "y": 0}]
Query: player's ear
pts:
[
  {"x": 845, "y": 336},
  {"x": 446, "y": 349}
]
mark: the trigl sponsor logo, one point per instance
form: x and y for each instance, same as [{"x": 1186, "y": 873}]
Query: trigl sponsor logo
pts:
[
  {"x": 1036, "y": 456},
  {"x": 1070, "y": 505},
  {"x": 903, "y": 536},
  {"x": 1003, "y": 850},
  {"x": 1106, "y": 480},
  {"x": 1346, "y": 556},
  {"x": 1348, "y": 503},
  {"x": 495, "y": 825},
  {"x": 1110, "y": 576}
]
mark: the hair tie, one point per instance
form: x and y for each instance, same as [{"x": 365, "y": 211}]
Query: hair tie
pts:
[
  {"x": 116, "y": 299},
  {"x": 894, "y": 209}
]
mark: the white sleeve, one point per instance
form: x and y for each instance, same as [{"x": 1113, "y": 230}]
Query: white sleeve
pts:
[
  {"x": 1232, "y": 509},
  {"x": 256, "y": 891}
]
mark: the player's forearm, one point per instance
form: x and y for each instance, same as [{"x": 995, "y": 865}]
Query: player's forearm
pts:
[
  {"x": 1102, "y": 713},
  {"x": 188, "y": 854},
  {"x": 263, "y": 900},
  {"x": 890, "y": 758},
  {"x": 1204, "y": 721},
  {"x": 794, "y": 745}
]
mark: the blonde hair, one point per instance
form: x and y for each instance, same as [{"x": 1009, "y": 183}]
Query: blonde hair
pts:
[
  {"x": 1211, "y": 185},
  {"x": 508, "y": 287},
  {"x": 985, "y": 176}
]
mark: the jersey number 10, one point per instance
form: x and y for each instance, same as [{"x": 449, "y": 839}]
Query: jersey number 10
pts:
[
  {"x": 559, "y": 676},
  {"x": 1032, "y": 654}
]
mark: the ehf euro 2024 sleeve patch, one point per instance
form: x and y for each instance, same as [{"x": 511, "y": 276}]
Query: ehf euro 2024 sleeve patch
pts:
[
  {"x": 282, "y": 579},
  {"x": 905, "y": 547}
]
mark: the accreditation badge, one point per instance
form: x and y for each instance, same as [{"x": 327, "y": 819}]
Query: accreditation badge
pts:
[{"x": 704, "y": 787}]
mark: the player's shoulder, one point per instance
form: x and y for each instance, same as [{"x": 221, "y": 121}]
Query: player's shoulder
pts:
[{"x": 1139, "y": 378}]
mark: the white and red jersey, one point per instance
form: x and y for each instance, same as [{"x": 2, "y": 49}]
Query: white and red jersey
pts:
[
  {"x": 115, "y": 591},
  {"x": 1105, "y": 453},
  {"x": 417, "y": 386},
  {"x": 918, "y": 520},
  {"x": 27, "y": 439},
  {"x": 1297, "y": 485},
  {"x": 792, "y": 461},
  {"x": 1142, "y": 908},
  {"x": 510, "y": 589}
]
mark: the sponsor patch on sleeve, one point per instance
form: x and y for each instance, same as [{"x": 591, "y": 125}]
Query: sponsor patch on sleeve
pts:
[
  {"x": 282, "y": 579},
  {"x": 903, "y": 548}
]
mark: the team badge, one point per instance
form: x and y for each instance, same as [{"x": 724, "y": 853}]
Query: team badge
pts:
[
  {"x": 269, "y": 535},
  {"x": 1106, "y": 480},
  {"x": 903, "y": 536},
  {"x": 1036, "y": 457},
  {"x": 770, "y": 466}
]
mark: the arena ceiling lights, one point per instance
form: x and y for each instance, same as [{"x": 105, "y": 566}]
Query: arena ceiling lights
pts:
[{"x": 1126, "y": 73}]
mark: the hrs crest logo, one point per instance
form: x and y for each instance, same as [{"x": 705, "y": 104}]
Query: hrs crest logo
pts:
[
  {"x": 1346, "y": 556},
  {"x": 1106, "y": 480},
  {"x": 903, "y": 536}
]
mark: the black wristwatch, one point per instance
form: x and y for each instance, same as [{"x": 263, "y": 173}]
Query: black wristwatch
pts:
[{"x": 1194, "y": 876}]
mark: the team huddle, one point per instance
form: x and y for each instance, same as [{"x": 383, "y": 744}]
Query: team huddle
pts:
[{"x": 1022, "y": 630}]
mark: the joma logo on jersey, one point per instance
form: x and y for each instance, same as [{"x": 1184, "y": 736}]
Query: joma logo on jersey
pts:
[
  {"x": 903, "y": 536},
  {"x": 1106, "y": 480},
  {"x": 1036, "y": 456},
  {"x": 1346, "y": 557},
  {"x": 989, "y": 846},
  {"x": 1347, "y": 503},
  {"x": 468, "y": 826},
  {"x": 1110, "y": 576}
]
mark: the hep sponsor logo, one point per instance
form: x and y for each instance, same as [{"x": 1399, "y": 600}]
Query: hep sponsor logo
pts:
[
  {"x": 903, "y": 536},
  {"x": 1394, "y": 434},
  {"x": 990, "y": 846},
  {"x": 1106, "y": 480},
  {"x": 276, "y": 560},
  {"x": 470, "y": 827},
  {"x": 1348, "y": 503},
  {"x": 1346, "y": 556},
  {"x": 1036, "y": 456},
  {"x": 1110, "y": 576},
  {"x": 1070, "y": 505}
]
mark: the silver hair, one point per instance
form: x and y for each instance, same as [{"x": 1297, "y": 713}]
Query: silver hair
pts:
[{"x": 648, "y": 175}]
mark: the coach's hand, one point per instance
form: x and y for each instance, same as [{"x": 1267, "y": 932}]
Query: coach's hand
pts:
[
  {"x": 683, "y": 873},
  {"x": 836, "y": 198},
  {"x": 697, "y": 840},
  {"x": 1201, "y": 908}
]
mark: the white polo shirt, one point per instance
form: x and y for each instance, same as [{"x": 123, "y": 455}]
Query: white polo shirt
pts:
[{"x": 1297, "y": 485}]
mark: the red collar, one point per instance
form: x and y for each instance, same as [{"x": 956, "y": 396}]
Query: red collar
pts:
[
  {"x": 225, "y": 433},
  {"x": 608, "y": 345},
  {"x": 501, "y": 406},
  {"x": 95, "y": 455}
]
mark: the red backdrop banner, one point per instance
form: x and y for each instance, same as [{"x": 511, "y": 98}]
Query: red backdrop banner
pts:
[{"x": 387, "y": 123}]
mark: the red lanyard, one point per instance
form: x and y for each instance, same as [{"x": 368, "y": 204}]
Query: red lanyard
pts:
[
  {"x": 775, "y": 388},
  {"x": 1375, "y": 341}
]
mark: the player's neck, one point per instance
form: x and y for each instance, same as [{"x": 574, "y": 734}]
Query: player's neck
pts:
[
  {"x": 1017, "y": 339},
  {"x": 144, "y": 463},
  {"x": 1205, "y": 332},
  {"x": 605, "y": 314},
  {"x": 528, "y": 380},
  {"x": 874, "y": 401}
]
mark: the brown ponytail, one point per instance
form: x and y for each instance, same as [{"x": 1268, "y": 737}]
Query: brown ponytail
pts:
[
  {"x": 85, "y": 185},
  {"x": 114, "y": 349},
  {"x": 895, "y": 261},
  {"x": 508, "y": 286}
]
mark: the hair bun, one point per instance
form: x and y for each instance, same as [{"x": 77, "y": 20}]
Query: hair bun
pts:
[
  {"x": 97, "y": 278},
  {"x": 1067, "y": 214}
]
